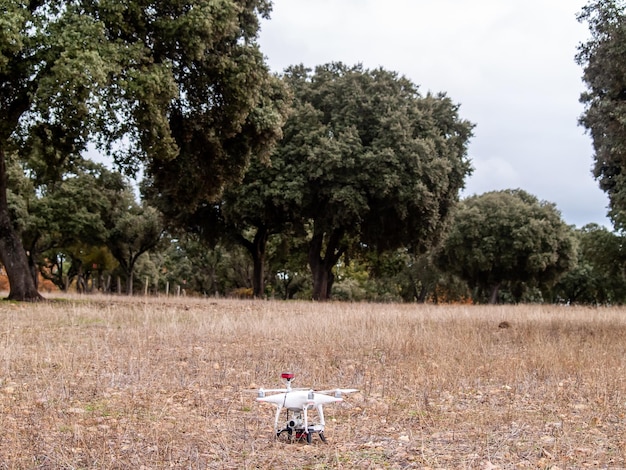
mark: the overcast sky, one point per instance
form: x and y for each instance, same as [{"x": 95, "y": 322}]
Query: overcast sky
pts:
[{"x": 509, "y": 64}]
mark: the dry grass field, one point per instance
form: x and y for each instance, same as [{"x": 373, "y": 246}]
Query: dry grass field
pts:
[{"x": 115, "y": 383}]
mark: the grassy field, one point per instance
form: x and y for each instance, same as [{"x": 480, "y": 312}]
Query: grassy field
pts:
[{"x": 100, "y": 382}]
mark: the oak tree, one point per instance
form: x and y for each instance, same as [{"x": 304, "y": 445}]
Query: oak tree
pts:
[
  {"x": 603, "y": 58},
  {"x": 257, "y": 209},
  {"x": 367, "y": 160},
  {"x": 600, "y": 275},
  {"x": 507, "y": 238},
  {"x": 53, "y": 65},
  {"x": 132, "y": 230},
  {"x": 61, "y": 218}
]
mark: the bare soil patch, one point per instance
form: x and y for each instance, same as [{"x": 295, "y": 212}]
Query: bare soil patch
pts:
[{"x": 104, "y": 382}]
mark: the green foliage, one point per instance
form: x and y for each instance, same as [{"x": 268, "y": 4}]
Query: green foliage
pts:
[
  {"x": 288, "y": 275},
  {"x": 61, "y": 220},
  {"x": 74, "y": 227},
  {"x": 255, "y": 210},
  {"x": 603, "y": 57},
  {"x": 600, "y": 276},
  {"x": 214, "y": 271},
  {"x": 179, "y": 86},
  {"x": 78, "y": 264},
  {"x": 133, "y": 229},
  {"x": 224, "y": 109},
  {"x": 508, "y": 239},
  {"x": 397, "y": 276},
  {"x": 376, "y": 153},
  {"x": 194, "y": 98},
  {"x": 55, "y": 63},
  {"x": 366, "y": 159},
  {"x": 73, "y": 209}
]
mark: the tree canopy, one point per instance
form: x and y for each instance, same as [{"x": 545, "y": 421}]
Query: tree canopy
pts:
[
  {"x": 603, "y": 58},
  {"x": 507, "y": 238},
  {"x": 202, "y": 102}
]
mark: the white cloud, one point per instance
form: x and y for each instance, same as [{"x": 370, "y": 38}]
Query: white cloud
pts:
[{"x": 492, "y": 174}]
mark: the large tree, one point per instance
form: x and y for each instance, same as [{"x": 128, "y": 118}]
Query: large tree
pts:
[
  {"x": 603, "y": 58},
  {"x": 600, "y": 276},
  {"x": 53, "y": 64},
  {"x": 368, "y": 161},
  {"x": 180, "y": 86},
  {"x": 195, "y": 98},
  {"x": 133, "y": 230},
  {"x": 258, "y": 208},
  {"x": 507, "y": 238},
  {"x": 61, "y": 217}
]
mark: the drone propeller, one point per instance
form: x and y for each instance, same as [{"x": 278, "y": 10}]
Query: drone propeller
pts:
[
  {"x": 288, "y": 376},
  {"x": 273, "y": 390},
  {"x": 339, "y": 391}
]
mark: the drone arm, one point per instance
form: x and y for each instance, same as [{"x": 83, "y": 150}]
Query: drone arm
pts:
[
  {"x": 320, "y": 412},
  {"x": 278, "y": 410},
  {"x": 306, "y": 419}
]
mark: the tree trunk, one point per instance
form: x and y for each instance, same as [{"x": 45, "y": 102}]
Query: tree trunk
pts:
[
  {"x": 320, "y": 280},
  {"x": 256, "y": 248},
  {"x": 12, "y": 253},
  {"x": 32, "y": 264},
  {"x": 322, "y": 267},
  {"x": 258, "y": 276},
  {"x": 421, "y": 298},
  {"x": 259, "y": 245},
  {"x": 493, "y": 297},
  {"x": 129, "y": 282}
]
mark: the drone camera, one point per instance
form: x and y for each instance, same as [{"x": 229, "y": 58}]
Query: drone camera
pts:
[{"x": 296, "y": 423}]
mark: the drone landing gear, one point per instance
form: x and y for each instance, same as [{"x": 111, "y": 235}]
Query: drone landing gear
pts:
[
  {"x": 295, "y": 435},
  {"x": 295, "y": 430}
]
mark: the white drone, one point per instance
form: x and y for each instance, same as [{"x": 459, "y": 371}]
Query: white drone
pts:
[{"x": 298, "y": 401}]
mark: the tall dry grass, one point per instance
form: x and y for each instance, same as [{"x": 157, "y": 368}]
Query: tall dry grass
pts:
[{"x": 160, "y": 383}]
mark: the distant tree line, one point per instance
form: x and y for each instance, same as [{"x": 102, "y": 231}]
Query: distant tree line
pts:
[
  {"x": 87, "y": 230},
  {"x": 337, "y": 182}
]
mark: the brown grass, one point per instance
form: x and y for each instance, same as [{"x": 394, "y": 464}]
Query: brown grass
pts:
[{"x": 114, "y": 383}]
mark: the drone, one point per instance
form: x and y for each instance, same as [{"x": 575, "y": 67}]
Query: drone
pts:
[{"x": 298, "y": 402}]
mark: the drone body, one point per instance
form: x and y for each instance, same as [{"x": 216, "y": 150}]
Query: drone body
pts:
[{"x": 298, "y": 403}]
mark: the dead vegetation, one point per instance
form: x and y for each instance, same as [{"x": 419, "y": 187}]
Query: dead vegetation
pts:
[{"x": 114, "y": 383}]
